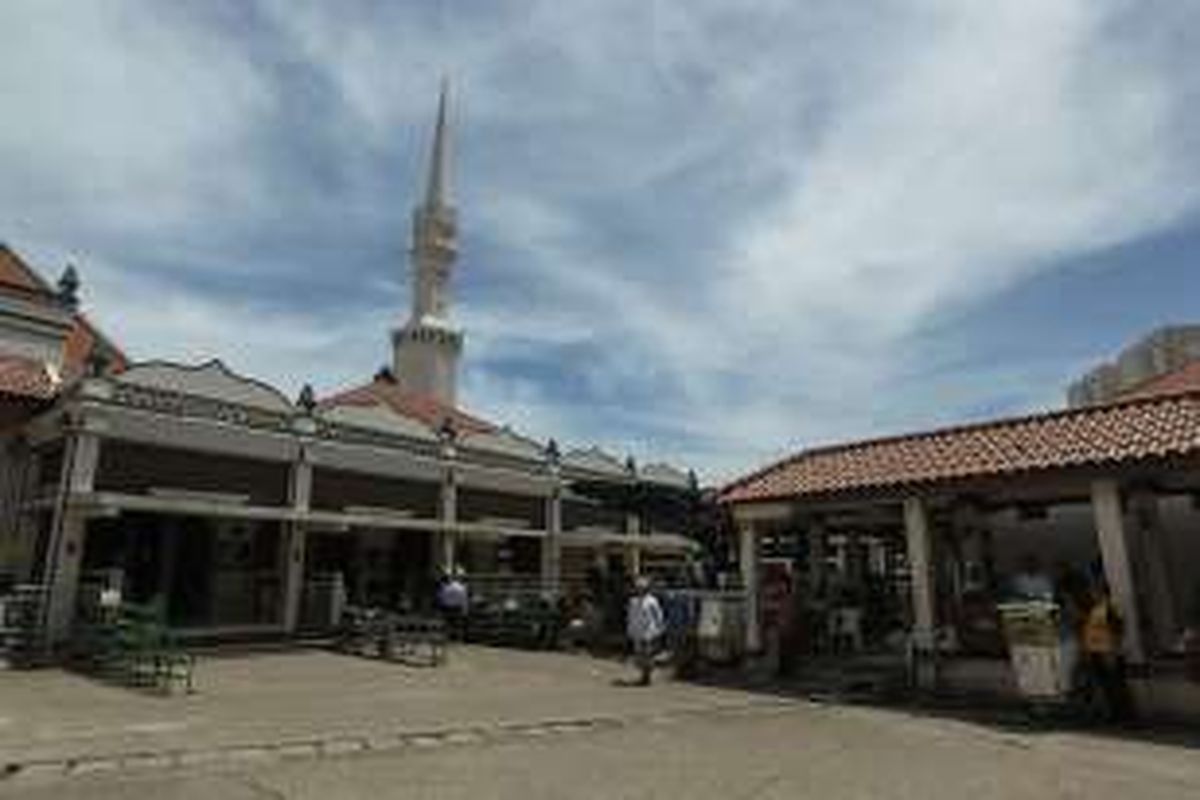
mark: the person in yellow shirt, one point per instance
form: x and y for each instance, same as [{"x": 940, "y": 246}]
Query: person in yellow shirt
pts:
[{"x": 1102, "y": 638}]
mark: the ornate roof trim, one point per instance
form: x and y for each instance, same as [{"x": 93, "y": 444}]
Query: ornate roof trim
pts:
[{"x": 212, "y": 380}]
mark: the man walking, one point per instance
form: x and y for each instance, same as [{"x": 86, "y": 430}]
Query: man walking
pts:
[{"x": 644, "y": 625}]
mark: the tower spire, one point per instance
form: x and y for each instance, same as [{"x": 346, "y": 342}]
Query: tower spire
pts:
[
  {"x": 436, "y": 191},
  {"x": 425, "y": 350}
]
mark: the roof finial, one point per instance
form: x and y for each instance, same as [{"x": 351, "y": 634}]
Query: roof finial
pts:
[
  {"x": 68, "y": 287},
  {"x": 307, "y": 401},
  {"x": 436, "y": 191}
]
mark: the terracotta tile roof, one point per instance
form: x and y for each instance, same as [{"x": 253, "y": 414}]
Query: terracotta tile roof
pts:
[
  {"x": 1131, "y": 430},
  {"x": 423, "y": 408},
  {"x": 1184, "y": 379},
  {"x": 83, "y": 340},
  {"x": 16, "y": 274},
  {"x": 26, "y": 378}
]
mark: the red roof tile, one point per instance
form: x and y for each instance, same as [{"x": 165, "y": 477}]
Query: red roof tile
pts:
[
  {"x": 1142, "y": 428},
  {"x": 16, "y": 274},
  {"x": 83, "y": 341},
  {"x": 26, "y": 378},
  {"x": 423, "y": 408},
  {"x": 1184, "y": 379}
]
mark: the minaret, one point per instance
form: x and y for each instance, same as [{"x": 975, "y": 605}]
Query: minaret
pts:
[{"x": 427, "y": 347}]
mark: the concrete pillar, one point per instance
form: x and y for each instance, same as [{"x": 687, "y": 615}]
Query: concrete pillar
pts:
[
  {"x": 633, "y": 559},
  {"x": 748, "y": 564},
  {"x": 919, "y": 540},
  {"x": 168, "y": 559},
  {"x": 296, "y": 542},
  {"x": 633, "y": 523},
  {"x": 1155, "y": 548},
  {"x": 1118, "y": 569},
  {"x": 817, "y": 557},
  {"x": 68, "y": 531},
  {"x": 444, "y": 557},
  {"x": 552, "y": 545}
]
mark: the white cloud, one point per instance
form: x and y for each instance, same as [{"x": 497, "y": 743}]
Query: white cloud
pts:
[{"x": 121, "y": 114}]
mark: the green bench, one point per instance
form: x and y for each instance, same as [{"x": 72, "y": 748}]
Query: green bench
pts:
[{"x": 132, "y": 644}]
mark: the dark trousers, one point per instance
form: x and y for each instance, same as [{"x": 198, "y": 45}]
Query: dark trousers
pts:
[
  {"x": 456, "y": 624},
  {"x": 1107, "y": 678},
  {"x": 644, "y": 651}
]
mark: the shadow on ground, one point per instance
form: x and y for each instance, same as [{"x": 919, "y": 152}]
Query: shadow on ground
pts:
[{"x": 1000, "y": 714}]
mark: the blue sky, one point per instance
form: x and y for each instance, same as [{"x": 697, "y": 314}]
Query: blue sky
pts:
[{"x": 709, "y": 232}]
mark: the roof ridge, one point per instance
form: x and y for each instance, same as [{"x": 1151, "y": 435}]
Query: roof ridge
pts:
[
  {"x": 376, "y": 392},
  {"x": 41, "y": 283},
  {"x": 1003, "y": 422}
]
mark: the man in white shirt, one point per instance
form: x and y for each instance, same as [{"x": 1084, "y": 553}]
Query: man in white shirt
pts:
[
  {"x": 644, "y": 625},
  {"x": 453, "y": 599}
]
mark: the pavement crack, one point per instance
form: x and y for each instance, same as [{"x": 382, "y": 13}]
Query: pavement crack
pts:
[{"x": 257, "y": 786}]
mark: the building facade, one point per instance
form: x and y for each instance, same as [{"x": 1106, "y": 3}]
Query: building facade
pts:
[
  {"x": 924, "y": 533},
  {"x": 245, "y": 512}
]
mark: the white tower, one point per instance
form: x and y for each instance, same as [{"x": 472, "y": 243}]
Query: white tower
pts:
[{"x": 427, "y": 347}]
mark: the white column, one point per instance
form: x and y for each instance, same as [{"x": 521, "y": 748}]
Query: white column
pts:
[
  {"x": 924, "y": 593},
  {"x": 633, "y": 523},
  {"x": 816, "y": 558},
  {"x": 552, "y": 545},
  {"x": 68, "y": 532},
  {"x": 445, "y": 556},
  {"x": 1118, "y": 571},
  {"x": 295, "y": 550},
  {"x": 748, "y": 564},
  {"x": 633, "y": 552},
  {"x": 633, "y": 559}
]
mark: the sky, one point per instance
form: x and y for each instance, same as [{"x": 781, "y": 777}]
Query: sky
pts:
[{"x": 708, "y": 232}]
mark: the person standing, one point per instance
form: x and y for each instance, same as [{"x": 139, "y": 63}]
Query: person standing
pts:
[
  {"x": 644, "y": 625},
  {"x": 453, "y": 599},
  {"x": 1031, "y": 582},
  {"x": 1103, "y": 631}
]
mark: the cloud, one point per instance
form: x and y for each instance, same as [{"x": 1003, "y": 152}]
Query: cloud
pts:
[
  {"x": 123, "y": 115},
  {"x": 694, "y": 230}
]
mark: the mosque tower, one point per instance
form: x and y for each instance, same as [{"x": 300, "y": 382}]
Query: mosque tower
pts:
[{"x": 426, "y": 349}]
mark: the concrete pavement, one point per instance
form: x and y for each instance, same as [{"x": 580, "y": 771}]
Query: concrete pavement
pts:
[
  {"x": 503, "y": 723},
  {"x": 53, "y": 721},
  {"x": 793, "y": 750}
]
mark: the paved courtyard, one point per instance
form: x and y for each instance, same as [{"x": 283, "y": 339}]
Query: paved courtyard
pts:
[
  {"x": 245, "y": 699},
  {"x": 504, "y": 724}
]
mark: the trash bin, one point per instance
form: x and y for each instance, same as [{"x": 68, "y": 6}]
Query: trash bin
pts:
[{"x": 1042, "y": 655}]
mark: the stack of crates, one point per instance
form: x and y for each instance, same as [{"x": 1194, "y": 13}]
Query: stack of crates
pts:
[{"x": 23, "y": 626}]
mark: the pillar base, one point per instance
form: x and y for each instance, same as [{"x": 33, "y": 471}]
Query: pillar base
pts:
[{"x": 924, "y": 670}]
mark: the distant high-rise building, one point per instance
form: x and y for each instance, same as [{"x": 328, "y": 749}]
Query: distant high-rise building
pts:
[{"x": 1163, "y": 351}]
